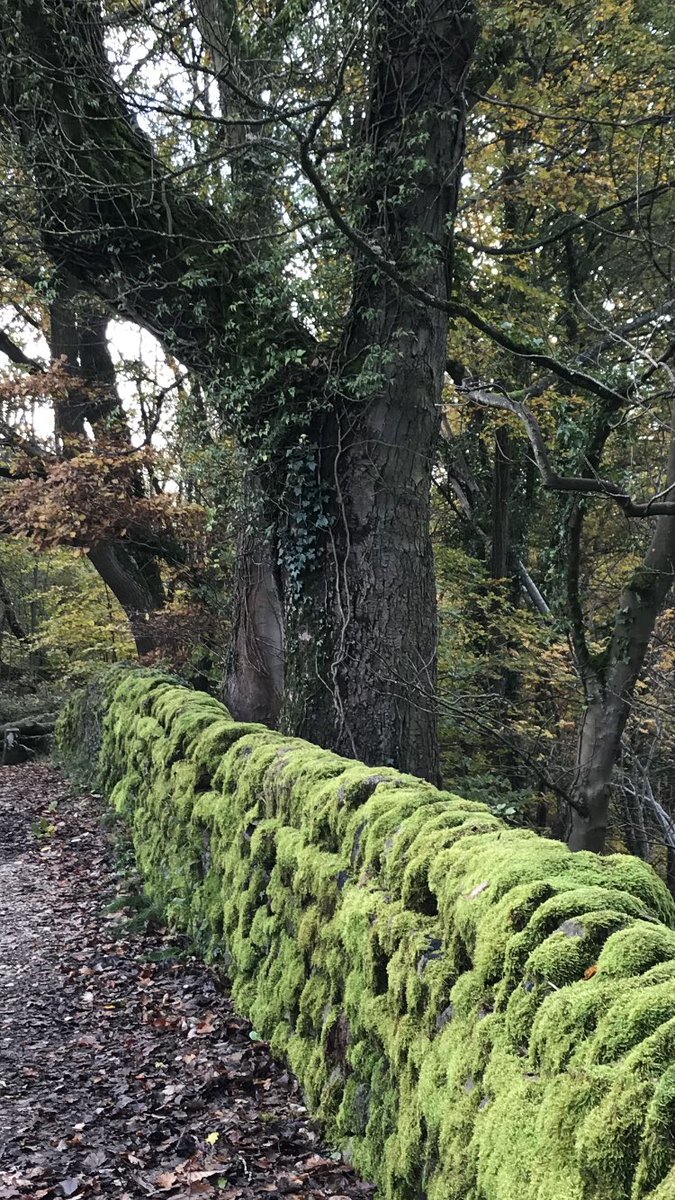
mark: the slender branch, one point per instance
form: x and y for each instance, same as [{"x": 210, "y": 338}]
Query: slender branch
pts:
[
  {"x": 612, "y": 336},
  {"x": 570, "y": 227},
  {"x": 593, "y": 352},
  {"x": 452, "y": 308},
  {"x": 656, "y": 506},
  {"x": 565, "y": 117},
  {"x": 643, "y": 794},
  {"x": 530, "y": 587},
  {"x": 485, "y": 723},
  {"x": 11, "y": 438},
  {"x": 460, "y": 489},
  {"x": 588, "y": 673}
]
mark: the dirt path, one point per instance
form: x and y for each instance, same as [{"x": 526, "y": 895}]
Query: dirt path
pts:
[{"x": 124, "y": 1071}]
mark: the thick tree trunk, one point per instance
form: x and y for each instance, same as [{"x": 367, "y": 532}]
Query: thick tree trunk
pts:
[
  {"x": 599, "y": 744},
  {"x": 597, "y": 755},
  {"x": 361, "y": 631},
  {"x": 8, "y": 615},
  {"x": 361, "y": 670},
  {"x": 137, "y": 587},
  {"x": 255, "y": 677}
]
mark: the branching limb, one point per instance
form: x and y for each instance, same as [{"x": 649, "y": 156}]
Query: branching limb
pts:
[
  {"x": 453, "y": 308},
  {"x": 567, "y": 226},
  {"x": 656, "y": 506},
  {"x": 638, "y": 784},
  {"x": 38, "y": 455},
  {"x": 463, "y": 488},
  {"x": 15, "y": 354}
]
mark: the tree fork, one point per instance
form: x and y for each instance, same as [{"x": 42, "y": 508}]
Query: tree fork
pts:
[{"x": 361, "y": 638}]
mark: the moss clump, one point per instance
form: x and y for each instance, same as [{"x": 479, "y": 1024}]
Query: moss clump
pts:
[{"x": 476, "y": 1014}]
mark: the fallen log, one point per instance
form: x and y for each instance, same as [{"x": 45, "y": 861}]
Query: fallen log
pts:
[{"x": 26, "y": 738}]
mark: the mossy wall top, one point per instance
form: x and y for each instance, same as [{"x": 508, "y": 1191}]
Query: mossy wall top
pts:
[{"x": 474, "y": 1012}]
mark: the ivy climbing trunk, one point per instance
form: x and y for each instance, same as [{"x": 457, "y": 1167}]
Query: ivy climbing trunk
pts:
[
  {"x": 361, "y": 630},
  {"x": 361, "y": 635},
  {"x": 356, "y": 569}
]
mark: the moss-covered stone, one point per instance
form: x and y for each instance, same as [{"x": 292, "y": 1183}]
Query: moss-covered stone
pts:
[{"x": 475, "y": 1013}]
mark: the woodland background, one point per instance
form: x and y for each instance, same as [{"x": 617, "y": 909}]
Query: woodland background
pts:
[{"x": 397, "y": 268}]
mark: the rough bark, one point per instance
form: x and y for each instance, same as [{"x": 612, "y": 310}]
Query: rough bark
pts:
[
  {"x": 8, "y": 614},
  {"x": 361, "y": 640},
  {"x": 135, "y": 583},
  {"x": 255, "y": 678},
  {"x": 610, "y": 693}
]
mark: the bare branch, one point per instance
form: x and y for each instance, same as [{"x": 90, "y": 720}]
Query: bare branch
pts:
[
  {"x": 568, "y": 227},
  {"x": 15, "y": 354},
  {"x": 460, "y": 489},
  {"x": 656, "y": 506}
]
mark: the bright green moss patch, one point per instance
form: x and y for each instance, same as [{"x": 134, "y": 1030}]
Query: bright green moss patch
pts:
[{"x": 475, "y": 1013}]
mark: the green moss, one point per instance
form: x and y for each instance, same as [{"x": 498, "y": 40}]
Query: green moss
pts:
[{"x": 475, "y": 1013}]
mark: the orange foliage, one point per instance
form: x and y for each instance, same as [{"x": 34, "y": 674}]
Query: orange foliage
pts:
[{"x": 92, "y": 498}]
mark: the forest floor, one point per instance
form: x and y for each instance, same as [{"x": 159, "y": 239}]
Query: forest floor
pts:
[{"x": 124, "y": 1070}]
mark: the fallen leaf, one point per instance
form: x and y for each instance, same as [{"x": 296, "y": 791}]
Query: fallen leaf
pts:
[
  {"x": 166, "y": 1180},
  {"x": 69, "y": 1186},
  {"x": 94, "y": 1160}
]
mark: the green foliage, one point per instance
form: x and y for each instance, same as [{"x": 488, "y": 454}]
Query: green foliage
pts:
[
  {"x": 508, "y": 696},
  {"x": 475, "y": 1013},
  {"x": 141, "y": 915},
  {"x": 72, "y": 622}
]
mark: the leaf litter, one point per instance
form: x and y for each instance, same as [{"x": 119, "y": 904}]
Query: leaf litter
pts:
[{"x": 124, "y": 1070}]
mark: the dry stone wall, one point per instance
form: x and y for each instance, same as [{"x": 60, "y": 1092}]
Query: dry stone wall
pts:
[{"x": 474, "y": 1012}]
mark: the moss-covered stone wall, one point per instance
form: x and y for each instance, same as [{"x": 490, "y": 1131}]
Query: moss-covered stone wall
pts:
[{"x": 474, "y": 1012}]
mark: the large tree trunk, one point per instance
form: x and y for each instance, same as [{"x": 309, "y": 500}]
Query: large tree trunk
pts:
[
  {"x": 136, "y": 585},
  {"x": 8, "y": 615},
  {"x": 255, "y": 677},
  {"x": 361, "y": 630},
  {"x": 597, "y": 755}
]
